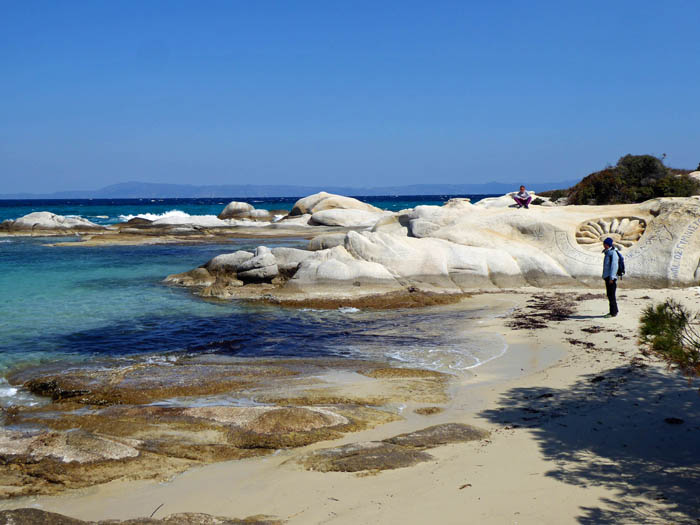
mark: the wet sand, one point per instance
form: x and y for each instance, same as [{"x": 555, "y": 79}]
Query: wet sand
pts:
[{"x": 583, "y": 428}]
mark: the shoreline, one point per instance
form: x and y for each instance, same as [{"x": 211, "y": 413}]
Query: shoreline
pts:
[{"x": 514, "y": 475}]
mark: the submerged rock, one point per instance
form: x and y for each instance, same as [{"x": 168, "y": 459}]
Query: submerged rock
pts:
[{"x": 143, "y": 420}]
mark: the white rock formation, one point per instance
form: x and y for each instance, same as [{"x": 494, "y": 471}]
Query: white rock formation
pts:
[
  {"x": 204, "y": 221},
  {"x": 228, "y": 262},
  {"x": 348, "y": 218},
  {"x": 337, "y": 269},
  {"x": 260, "y": 215},
  {"x": 261, "y": 267},
  {"x": 329, "y": 240},
  {"x": 461, "y": 246},
  {"x": 47, "y": 221},
  {"x": 235, "y": 210},
  {"x": 328, "y": 201}
]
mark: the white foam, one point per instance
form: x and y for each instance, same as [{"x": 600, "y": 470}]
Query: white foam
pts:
[
  {"x": 455, "y": 358},
  {"x": 348, "y": 310},
  {"x": 8, "y": 391},
  {"x": 155, "y": 216},
  {"x": 10, "y": 396},
  {"x": 160, "y": 360}
]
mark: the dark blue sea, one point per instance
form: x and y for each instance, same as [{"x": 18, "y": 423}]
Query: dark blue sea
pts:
[{"x": 82, "y": 303}]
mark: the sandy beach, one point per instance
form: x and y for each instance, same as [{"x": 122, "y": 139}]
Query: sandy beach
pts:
[{"x": 584, "y": 428}]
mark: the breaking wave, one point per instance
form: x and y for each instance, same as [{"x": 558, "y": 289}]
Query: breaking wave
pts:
[{"x": 170, "y": 214}]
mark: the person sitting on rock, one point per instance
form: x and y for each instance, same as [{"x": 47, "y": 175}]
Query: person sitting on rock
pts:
[{"x": 522, "y": 198}]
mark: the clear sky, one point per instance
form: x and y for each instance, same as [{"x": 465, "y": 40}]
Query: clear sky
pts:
[{"x": 346, "y": 93}]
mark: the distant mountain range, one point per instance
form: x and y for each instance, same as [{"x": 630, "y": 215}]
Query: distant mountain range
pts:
[{"x": 142, "y": 190}]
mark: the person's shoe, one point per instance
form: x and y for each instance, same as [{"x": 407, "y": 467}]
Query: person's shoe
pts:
[
  {"x": 519, "y": 206},
  {"x": 527, "y": 207}
]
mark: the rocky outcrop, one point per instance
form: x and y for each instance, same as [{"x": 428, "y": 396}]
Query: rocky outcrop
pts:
[
  {"x": 461, "y": 246},
  {"x": 329, "y": 240},
  {"x": 244, "y": 210},
  {"x": 235, "y": 210},
  {"x": 439, "y": 435},
  {"x": 47, "y": 222},
  {"x": 327, "y": 201},
  {"x": 400, "y": 451},
  {"x": 347, "y": 218},
  {"x": 31, "y": 516},
  {"x": 123, "y": 421},
  {"x": 231, "y": 270},
  {"x": 370, "y": 455}
]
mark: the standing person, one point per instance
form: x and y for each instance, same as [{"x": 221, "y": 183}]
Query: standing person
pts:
[
  {"x": 610, "y": 264},
  {"x": 522, "y": 198}
]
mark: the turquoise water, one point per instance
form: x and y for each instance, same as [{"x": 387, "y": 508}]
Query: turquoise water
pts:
[{"x": 78, "y": 303}]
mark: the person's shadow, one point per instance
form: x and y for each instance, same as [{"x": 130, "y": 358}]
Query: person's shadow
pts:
[{"x": 582, "y": 317}]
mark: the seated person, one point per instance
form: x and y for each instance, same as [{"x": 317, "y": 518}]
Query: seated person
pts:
[{"x": 522, "y": 198}]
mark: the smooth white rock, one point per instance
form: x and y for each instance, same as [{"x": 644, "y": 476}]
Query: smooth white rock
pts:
[
  {"x": 288, "y": 259},
  {"x": 235, "y": 210},
  {"x": 228, "y": 262},
  {"x": 347, "y": 218},
  {"x": 327, "y": 201},
  {"x": 44, "y": 220},
  {"x": 261, "y": 266},
  {"x": 329, "y": 240}
]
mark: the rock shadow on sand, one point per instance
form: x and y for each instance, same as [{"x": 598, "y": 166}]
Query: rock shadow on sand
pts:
[{"x": 633, "y": 429}]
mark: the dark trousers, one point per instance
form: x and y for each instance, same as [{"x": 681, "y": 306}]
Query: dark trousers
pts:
[
  {"x": 522, "y": 202},
  {"x": 611, "y": 288}
]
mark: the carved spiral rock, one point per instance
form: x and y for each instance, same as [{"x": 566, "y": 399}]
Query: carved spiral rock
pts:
[{"x": 624, "y": 231}]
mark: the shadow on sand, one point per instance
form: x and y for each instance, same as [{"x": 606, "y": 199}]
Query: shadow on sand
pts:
[{"x": 633, "y": 429}]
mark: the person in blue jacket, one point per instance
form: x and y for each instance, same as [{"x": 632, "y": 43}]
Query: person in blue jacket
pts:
[{"x": 610, "y": 263}]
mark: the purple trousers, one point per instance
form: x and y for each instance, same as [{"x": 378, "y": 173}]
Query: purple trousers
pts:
[{"x": 522, "y": 202}]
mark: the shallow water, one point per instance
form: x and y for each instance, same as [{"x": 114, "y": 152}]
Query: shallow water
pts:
[{"x": 81, "y": 304}]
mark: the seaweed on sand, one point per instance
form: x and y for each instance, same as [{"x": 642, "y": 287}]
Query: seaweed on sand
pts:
[{"x": 541, "y": 309}]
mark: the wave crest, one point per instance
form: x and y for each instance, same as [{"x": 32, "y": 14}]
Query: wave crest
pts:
[{"x": 170, "y": 214}]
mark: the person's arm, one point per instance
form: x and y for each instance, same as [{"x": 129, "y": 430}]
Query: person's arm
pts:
[{"x": 613, "y": 264}]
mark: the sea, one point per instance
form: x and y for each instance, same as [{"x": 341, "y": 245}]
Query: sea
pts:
[{"x": 78, "y": 304}]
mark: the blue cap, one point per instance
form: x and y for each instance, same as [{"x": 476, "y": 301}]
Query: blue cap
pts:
[{"x": 608, "y": 241}]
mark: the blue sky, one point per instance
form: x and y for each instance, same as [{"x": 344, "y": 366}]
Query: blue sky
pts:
[{"x": 343, "y": 93}]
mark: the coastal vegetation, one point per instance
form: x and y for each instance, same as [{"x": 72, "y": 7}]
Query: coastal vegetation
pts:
[
  {"x": 635, "y": 178},
  {"x": 671, "y": 331}
]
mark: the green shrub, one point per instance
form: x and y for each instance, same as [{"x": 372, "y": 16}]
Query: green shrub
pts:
[
  {"x": 670, "y": 331},
  {"x": 554, "y": 195},
  {"x": 635, "y": 178},
  {"x": 537, "y": 202}
]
